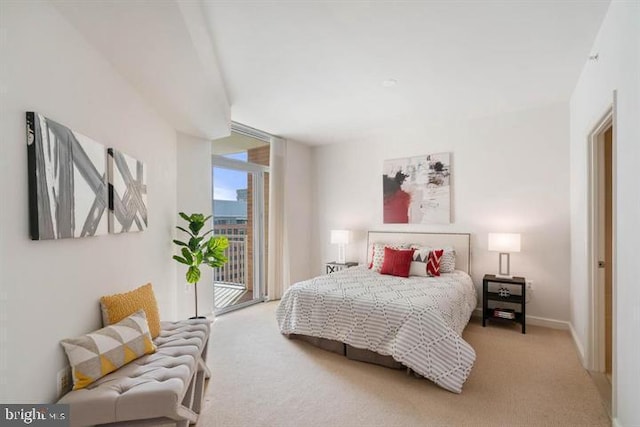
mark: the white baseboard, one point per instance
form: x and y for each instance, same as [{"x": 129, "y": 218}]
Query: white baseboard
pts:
[
  {"x": 537, "y": 321},
  {"x": 548, "y": 323},
  {"x": 578, "y": 345}
]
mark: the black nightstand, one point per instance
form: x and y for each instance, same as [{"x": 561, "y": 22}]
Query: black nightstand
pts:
[
  {"x": 333, "y": 266},
  {"x": 518, "y": 299}
]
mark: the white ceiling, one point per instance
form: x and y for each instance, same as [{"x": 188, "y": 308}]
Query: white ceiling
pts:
[
  {"x": 313, "y": 71},
  {"x": 165, "y": 51}
]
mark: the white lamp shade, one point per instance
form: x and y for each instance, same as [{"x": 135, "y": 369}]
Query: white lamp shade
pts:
[
  {"x": 340, "y": 237},
  {"x": 504, "y": 242}
]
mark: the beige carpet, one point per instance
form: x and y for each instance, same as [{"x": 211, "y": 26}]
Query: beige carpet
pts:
[{"x": 260, "y": 378}]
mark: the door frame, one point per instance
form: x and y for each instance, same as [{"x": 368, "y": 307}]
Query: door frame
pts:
[{"x": 595, "y": 241}]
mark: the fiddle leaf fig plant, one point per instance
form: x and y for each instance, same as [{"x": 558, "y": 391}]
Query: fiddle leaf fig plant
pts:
[{"x": 198, "y": 249}]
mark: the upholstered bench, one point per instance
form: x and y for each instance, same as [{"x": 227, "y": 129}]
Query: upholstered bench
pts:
[{"x": 164, "y": 387}]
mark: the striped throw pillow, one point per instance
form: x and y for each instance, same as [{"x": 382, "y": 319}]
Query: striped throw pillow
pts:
[{"x": 433, "y": 265}]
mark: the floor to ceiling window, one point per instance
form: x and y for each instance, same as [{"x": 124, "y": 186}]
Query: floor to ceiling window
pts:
[{"x": 240, "y": 167}]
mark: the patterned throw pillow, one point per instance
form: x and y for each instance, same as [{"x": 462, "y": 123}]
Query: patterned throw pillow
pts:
[
  {"x": 397, "y": 262},
  {"x": 116, "y": 307},
  {"x": 433, "y": 265},
  {"x": 94, "y": 355},
  {"x": 448, "y": 261},
  {"x": 419, "y": 261},
  {"x": 421, "y": 255},
  {"x": 377, "y": 254}
]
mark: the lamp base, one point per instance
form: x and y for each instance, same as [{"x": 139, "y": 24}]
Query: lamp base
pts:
[
  {"x": 342, "y": 256},
  {"x": 503, "y": 276},
  {"x": 504, "y": 269}
]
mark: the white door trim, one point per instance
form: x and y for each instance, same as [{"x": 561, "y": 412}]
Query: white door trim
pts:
[
  {"x": 596, "y": 153},
  {"x": 596, "y": 340}
]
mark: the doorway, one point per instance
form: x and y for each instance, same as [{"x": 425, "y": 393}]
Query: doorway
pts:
[
  {"x": 240, "y": 169},
  {"x": 602, "y": 255}
]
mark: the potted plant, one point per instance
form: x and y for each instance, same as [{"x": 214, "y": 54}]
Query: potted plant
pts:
[{"x": 198, "y": 250}]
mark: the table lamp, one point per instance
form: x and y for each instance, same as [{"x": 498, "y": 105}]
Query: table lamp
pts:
[
  {"x": 505, "y": 243},
  {"x": 341, "y": 238}
]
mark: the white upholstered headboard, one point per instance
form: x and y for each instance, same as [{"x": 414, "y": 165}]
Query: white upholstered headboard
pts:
[{"x": 459, "y": 241}]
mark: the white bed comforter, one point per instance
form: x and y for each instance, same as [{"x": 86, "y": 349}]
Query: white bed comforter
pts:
[{"x": 418, "y": 320}]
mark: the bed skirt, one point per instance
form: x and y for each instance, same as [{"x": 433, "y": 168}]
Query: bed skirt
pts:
[{"x": 350, "y": 352}]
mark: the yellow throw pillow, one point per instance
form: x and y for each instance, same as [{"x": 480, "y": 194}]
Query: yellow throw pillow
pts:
[
  {"x": 116, "y": 307},
  {"x": 94, "y": 355}
]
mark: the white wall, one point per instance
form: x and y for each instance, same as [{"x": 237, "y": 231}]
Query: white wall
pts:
[
  {"x": 509, "y": 174},
  {"x": 194, "y": 196},
  {"x": 50, "y": 289},
  {"x": 618, "y": 68},
  {"x": 298, "y": 209}
]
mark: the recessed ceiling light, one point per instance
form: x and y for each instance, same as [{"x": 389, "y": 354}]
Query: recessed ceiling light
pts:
[{"x": 389, "y": 83}]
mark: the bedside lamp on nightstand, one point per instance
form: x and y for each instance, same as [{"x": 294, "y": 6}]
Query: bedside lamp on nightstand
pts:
[
  {"x": 505, "y": 243},
  {"x": 341, "y": 238}
]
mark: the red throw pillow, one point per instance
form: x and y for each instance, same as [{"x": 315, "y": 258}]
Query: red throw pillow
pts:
[
  {"x": 397, "y": 262},
  {"x": 433, "y": 265}
]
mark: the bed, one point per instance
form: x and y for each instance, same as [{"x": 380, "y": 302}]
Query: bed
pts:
[{"x": 413, "y": 322}]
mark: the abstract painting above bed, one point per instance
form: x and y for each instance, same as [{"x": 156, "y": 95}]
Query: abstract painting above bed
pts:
[
  {"x": 417, "y": 190},
  {"x": 416, "y": 320}
]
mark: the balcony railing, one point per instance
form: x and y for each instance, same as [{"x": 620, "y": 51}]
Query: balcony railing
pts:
[
  {"x": 234, "y": 272},
  {"x": 230, "y": 281}
]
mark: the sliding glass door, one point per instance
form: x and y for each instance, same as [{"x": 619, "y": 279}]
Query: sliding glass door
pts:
[{"x": 240, "y": 198}]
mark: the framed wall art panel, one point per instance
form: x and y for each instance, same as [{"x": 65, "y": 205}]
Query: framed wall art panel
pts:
[
  {"x": 127, "y": 193},
  {"x": 67, "y": 181}
]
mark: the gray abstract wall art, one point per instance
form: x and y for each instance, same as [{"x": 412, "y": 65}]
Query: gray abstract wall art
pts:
[
  {"x": 127, "y": 193},
  {"x": 67, "y": 181}
]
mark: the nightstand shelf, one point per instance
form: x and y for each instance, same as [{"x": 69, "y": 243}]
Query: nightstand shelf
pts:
[
  {"x": 519, "y": 299},
  {"x": 489, "y": 315},
  {"x": 513, "y": 299}
]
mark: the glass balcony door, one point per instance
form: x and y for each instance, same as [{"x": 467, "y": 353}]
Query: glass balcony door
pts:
[{"x": 239, "y": 214}]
